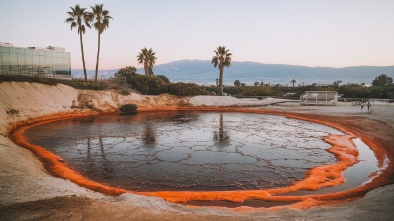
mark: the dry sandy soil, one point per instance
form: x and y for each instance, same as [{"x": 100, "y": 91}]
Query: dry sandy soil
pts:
[{"x": 28, "y": 192}]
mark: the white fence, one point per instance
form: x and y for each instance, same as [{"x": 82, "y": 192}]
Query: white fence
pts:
[{"x": 319, "y": 98}]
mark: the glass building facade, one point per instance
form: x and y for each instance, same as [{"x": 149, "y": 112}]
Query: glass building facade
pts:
[{"x": 33, "y": 61}]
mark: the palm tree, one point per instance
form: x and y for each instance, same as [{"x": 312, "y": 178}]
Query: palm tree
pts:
[
  {"x": 79, "y": 18},
  {"x": 293, "y": 81},
  {"x": 221, "y": 59},
  {"x": 100, "y": 18},
  {"x": 148, "y": 58}
]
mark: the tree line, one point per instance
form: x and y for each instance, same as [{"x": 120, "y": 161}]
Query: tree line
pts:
[
  {"x": 99, "y": 18},
  {"x": 382, "y": 87},
  {"x": 80, "y": 18}
]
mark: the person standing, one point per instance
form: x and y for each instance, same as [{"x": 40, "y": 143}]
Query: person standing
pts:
[
  {"x": 368, "y": 106},
  {"x": 362, "y": 106}
]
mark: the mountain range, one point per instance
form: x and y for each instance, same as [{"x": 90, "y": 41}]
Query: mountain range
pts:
[{"x": 203, "y": 72}]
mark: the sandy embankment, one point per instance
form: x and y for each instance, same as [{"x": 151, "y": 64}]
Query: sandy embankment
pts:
[{"x": 28, "y": 192}]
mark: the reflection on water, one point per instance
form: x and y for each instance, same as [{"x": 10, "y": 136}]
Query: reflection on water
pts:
[
  {"x": 221, "y": 136},
  {"x": 149, "y": 136},
  {"x": 176, "y": 151}
]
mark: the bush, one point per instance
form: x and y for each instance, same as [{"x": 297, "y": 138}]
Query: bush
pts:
[
  {"x": 128, "y": 108},
  {"x": 30, "y": 79},
  {"x": 258, "y": 91},
  {"x": 124, "y": 92},
  {"x": 164, "y": 78},
  {"x": 149, "y": 85},
  {"x": 86, "y": 85},
  {"x": 155, "y": 85},
  {"x": 185, "y": 89},
  {"x": 12, "y": 111}
]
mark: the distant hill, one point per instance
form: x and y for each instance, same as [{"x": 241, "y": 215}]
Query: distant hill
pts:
[
  {"x": 203, "y": 72},
  {"x": 78, "y": 73}
]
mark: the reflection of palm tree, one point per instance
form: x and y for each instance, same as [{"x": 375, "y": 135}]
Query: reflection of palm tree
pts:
[
  {"x": 149, "y": 136},
  {"x": 90, "y": 164},
  {"x": 221, "y": 136},
  {"x": 107, "y": 169}
]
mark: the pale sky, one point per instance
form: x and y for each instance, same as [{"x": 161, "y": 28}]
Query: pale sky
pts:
[{"x": 332, "y": 33}]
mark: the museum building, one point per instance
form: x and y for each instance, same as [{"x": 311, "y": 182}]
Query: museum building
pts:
[{"x": 34, "y": 61}]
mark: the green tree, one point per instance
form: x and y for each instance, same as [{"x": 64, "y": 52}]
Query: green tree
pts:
[
  {"x": 100, "y": 19},
  {"x": 149, "y": 85},
  {"x": 293, "y": 82},
  {"x": 382, "y": 81},
  {"x": 221, "y": 59},
  {"x": 148, "y": 58},
  {"x": 337, "y": 83},
  {"x": 78, "y": 17},
  {"x": 127, "y": 71},
  {"x": 237, "y": 83}
]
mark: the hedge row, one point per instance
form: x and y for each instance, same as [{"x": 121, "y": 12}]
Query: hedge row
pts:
[{"x": 154, "y": 85}]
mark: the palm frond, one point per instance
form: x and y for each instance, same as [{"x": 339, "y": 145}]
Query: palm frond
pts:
[
  {"x": 69, "y": 20},
  {"x": 222, "y": 57},
  {"x": 78, "y": 16},
  {"x": 99, "y": 18},
  {"x": 73, "y": 25}
]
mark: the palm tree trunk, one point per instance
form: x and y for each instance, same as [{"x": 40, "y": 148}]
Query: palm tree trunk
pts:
[
  {"x": 146, "y": 69},
  {"x": 221, "y": 80},
  {"x": 98, "y": 56},
  {"x": 83, "y": 57}
]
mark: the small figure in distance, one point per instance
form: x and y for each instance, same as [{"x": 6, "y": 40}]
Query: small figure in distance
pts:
[
  {"x": 368, "y": 106},
  {"x": 362, "y": 106}
]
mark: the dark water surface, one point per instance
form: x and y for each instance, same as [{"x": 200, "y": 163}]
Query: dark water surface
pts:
[{"x": 188, "y": 150}]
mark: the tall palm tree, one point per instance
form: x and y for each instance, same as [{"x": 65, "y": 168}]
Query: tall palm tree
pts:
[
  {"x": 293, "y": 81},
  {"x": 148, "y": 58},
  {"x": 78, "y": 17},
  {"x": 100, "y": 19},
  {"x": 222, "y": 59}
]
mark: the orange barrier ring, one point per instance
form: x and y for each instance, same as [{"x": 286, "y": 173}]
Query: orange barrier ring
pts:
[{"x": 317, "y": 178}]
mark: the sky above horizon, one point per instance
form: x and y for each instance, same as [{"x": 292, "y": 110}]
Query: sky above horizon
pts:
[{"x": 332, "y": 33}]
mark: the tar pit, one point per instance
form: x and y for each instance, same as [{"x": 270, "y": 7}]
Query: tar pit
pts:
[{"x": 197, "y": 151}]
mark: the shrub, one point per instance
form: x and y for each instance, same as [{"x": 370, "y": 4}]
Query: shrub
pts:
[
  {"x": 184, "y": 89},
  {"x": 87, "y": 85},
  {"x": 12, "y": 111},
  {"x": 150, "y": 85},
  {"x": 164, "y": 78},
  {"x": 128, "y": 108},
  {"x": 258, "y": 91},
  {"x": 124, "y": 92}
]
